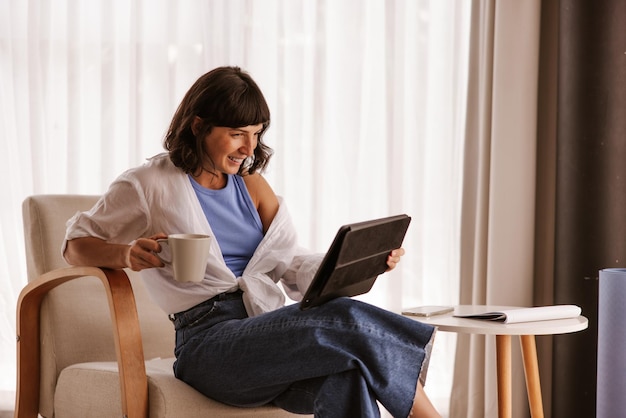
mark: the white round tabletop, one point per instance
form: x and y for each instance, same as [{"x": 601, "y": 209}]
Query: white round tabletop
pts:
[{"x": 448, "y": 322}]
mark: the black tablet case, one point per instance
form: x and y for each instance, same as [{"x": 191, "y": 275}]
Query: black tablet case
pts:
[{"x": 356, "y": 257}]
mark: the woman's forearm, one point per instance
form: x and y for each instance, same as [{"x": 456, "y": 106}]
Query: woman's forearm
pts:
[{"x": 91, "y": 251}]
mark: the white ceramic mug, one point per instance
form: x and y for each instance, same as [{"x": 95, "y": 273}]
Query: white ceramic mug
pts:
[{"x": 189, "y": 255}]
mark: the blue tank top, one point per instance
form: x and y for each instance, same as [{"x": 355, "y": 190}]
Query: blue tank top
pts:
[{"x": 234, "y": 220}]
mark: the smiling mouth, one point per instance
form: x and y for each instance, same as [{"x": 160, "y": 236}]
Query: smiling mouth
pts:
[{"x": 236, "y": 160}]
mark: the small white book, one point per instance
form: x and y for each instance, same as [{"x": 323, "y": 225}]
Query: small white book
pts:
[{"x": 540, "y": 313}]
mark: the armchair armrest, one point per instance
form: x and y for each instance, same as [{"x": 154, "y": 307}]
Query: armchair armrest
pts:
[{"x": 127, "y": 334}]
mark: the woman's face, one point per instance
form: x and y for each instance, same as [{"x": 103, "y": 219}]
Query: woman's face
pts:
[{"x": 227, "y": 148}]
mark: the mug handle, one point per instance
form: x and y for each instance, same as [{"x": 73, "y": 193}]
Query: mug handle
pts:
[{"x": 163, "y": 241}]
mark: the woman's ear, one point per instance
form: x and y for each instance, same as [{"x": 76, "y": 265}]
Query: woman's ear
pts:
[{"x": 196, "y": 125}]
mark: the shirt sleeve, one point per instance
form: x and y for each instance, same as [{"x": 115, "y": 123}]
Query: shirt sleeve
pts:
[{"x": 120, "y": 216}]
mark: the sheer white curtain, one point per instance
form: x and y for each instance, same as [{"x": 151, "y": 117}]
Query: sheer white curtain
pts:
[{"x": 368, "y": 111}]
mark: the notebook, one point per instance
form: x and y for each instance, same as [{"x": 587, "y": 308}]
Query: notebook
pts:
[{"x": 356, "y": 257}]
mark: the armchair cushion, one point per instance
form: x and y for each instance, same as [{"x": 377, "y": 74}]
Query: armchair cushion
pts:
[{"x": 169, "y": 397}]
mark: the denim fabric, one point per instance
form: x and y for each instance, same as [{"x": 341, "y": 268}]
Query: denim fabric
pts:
[{"x": 335, "y": 360}]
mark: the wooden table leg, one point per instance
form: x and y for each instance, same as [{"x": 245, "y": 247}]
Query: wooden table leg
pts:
[
  {"x": 531, "y": 371},
  {"x": 503, "y": 364}
]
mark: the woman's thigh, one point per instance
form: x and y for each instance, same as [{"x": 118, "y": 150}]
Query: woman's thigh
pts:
[{"x": 251, "y": 361}]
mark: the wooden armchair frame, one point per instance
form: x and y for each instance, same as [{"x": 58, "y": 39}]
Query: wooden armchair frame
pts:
[{"x": 126, "y": 329}]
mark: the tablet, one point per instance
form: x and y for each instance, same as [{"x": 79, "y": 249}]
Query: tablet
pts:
[{"x": 356, "y": 257}]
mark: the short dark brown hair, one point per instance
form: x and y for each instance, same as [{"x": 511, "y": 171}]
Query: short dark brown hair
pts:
[{"x": 227, "y": 97}]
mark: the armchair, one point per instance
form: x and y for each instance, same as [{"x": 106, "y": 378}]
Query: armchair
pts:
[{"x": 90, "y": 342}]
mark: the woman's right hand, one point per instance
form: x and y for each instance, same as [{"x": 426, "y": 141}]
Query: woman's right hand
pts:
[{"x": 142, "y": 253}]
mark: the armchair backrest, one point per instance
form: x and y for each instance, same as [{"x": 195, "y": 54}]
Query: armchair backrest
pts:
[
  {"x": 75, "y": 320},
  {"x": 44, "y": 229}
]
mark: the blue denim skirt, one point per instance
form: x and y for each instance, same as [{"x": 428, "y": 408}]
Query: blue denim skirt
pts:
[{"x": 335, "y": 361}]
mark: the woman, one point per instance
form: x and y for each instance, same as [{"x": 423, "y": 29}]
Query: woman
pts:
[{"x": 236, "y": 342}]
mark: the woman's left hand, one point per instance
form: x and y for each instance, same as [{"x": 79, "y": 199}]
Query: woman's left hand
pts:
[{"x": 394, "y": 258}]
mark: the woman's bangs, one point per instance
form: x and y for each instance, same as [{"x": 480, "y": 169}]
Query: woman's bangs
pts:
[{"x": 248, "y": 110}]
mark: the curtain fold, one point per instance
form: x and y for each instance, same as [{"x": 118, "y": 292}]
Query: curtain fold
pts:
[
  {"x": 546, "y": 185},
  {"x": 368, "y": 108},
  {"x": 497, "y": 232},
  {"x": 590, "y": 189},
  {"x": 470, "y": 362}
]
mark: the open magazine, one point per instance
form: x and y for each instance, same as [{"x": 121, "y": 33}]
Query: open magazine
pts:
[{"x": 540, "y": 313}]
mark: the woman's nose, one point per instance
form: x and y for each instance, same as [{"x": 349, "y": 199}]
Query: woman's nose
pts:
[{"x": 249, "y": 145}]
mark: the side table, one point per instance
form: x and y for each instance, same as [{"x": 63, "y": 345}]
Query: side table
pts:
[{"x": 503, "y": 332}]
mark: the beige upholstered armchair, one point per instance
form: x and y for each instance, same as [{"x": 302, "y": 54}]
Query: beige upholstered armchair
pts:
[{"x": 90, "y": 341}]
